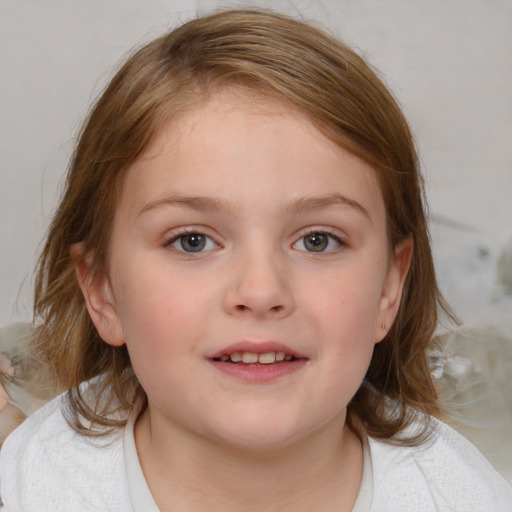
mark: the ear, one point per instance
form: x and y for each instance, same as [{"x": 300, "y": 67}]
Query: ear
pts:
[
  {"x": 398, "y": 268},
  {"x": 97, "y": 292}
]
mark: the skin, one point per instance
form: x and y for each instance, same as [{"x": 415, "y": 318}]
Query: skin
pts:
[
  {"x": 208, "y": 437},
  {"x": 6, "y": 369}
]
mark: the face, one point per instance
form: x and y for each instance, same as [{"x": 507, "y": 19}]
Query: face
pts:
[{"x": 250, "y": 274}]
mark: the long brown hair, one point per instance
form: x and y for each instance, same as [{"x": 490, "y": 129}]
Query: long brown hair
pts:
[{"x": 293, "y": 63}]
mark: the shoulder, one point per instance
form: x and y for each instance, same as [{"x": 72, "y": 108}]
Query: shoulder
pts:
[
  {"x": 46, "y": 465},
  {"x": 446, "y": 473}
]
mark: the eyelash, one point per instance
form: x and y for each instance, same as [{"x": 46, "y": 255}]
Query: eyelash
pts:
[
  {"x": 187, "y": 232},
  {"x": 320, "y": 231}
]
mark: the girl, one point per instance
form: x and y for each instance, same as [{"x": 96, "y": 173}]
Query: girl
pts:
[{"x": 237, "y": 290}]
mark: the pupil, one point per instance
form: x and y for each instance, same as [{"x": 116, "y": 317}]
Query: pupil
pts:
[
  {"x": 316, "y": 242},
  {"x": 193, "y": 243}
]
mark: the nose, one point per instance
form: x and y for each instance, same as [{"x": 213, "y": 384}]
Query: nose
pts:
[{"x": 259, "y": 287}]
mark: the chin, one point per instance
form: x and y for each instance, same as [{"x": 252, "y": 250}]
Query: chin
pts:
[{"x": 261, "y": 432}]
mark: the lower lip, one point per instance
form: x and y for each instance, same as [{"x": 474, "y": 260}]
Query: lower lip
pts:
[{"x": 259, "y": 372}]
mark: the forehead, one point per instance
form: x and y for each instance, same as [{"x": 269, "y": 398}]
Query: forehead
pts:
[
  {"x": 200, "y": 115},
  {"x": 236, "y": 144}
]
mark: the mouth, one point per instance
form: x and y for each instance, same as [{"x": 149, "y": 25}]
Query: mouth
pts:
[
  {"x": 265, "y": 358},
  {"x": 258, "y": 362}
]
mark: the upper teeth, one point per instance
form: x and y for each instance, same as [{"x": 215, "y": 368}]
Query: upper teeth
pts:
[{"x": 253, "y": 357}]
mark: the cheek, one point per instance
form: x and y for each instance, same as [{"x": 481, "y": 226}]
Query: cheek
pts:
[
  {"x": 158, "y": 314},
  {"x": 150, "y": 293},
  {"x": 344, "y": 311},
  {"x": 346, "y": 303}
]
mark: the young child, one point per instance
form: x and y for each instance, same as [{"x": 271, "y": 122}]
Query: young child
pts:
[{"x": 238, "y": 292}]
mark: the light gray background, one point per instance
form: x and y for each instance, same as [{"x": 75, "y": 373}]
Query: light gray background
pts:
[{"x": 448, "y": 62}]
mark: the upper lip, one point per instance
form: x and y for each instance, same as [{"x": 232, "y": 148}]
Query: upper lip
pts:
[{"x": 256, "y": 347}]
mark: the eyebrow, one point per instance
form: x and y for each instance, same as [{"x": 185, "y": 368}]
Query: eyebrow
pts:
[
  {"x": 307, "y": 204},
  {"x": 299, "y": 205},
  {"x": 200, "y": 203}
]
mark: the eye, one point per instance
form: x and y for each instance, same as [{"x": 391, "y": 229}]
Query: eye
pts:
[
  {"x": 192, "y": 242},
  {"x": 318, "y": 241}
]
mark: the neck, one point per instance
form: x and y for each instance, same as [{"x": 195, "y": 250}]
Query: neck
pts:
[{"x": 322, "y": 471}]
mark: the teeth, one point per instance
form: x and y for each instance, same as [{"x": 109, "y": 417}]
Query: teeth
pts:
[
  {"x": 267, "y": 358},
  {"x": 236, "y": 357},
  {"x": 249, "y": 357},
  {"x": 253, "y": 357}
]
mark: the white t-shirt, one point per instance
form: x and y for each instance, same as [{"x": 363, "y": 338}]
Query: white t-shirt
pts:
[{"x": 47, "y": 466}]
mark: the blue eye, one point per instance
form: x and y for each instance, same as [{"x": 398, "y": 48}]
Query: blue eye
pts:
[
  {"x": 318, "y": 242},
  {"x": 192, "y": 242}
]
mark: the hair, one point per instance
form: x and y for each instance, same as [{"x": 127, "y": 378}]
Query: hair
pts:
[{"x": 290, "y": 62}]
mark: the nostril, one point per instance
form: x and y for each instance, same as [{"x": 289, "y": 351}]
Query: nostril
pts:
[{"x": 273, "y": 309}]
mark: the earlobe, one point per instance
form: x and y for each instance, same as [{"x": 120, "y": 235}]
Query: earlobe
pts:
[
  {"x": 398, "y": 269},
  {"x": 97, "y": 292}
]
